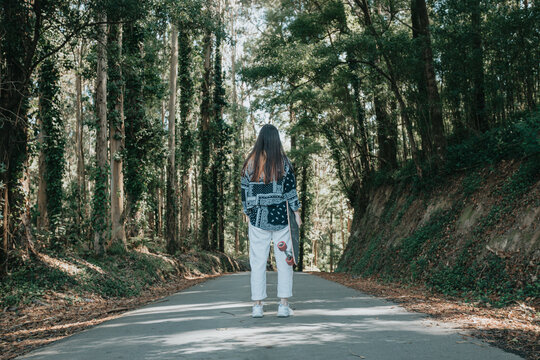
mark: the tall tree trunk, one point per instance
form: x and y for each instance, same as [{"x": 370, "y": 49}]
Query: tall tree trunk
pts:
[
  {"x": 53, "y": 143},
  {"x": 331, "y": 243},
  {"x": 100, "y": 191},
  {"x": 162, "y": 180},
  {"x": 360, "y": 122},
  {"x": 116, "y": 135},
  {"x": 342, "y": 226},
  {"x": 136, "y": 122},
  {"x": 14, "y": 92},
  {"x": 421, "y": 99},
  {"x": 196, "y": 216},
  {"x": 172, "y": 241},
  {"x": 420, "y": 21},
  {"x": 479, "y": 118},
  {"x": 204, "y": 133},
  {"x": 220, "y": 140},
  {"x": 303, "y": 213},
  {"x": 404, "y": 142},
  {"x": 42, "y": 218},
  {"x": 238, "y": 130},
  {"x": 386, "y": 134},
  {"x": 186, "y": 136},
  {"x": 315, "y": 252},
  {"x": 81, "y": 181},
  {"x": 5, "y": 231}
]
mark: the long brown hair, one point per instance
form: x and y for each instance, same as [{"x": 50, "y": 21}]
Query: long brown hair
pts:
[{"x": 267, "y": 156}]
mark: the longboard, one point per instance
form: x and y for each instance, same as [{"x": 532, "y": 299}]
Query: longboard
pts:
[{"x": 294, "y": 234}]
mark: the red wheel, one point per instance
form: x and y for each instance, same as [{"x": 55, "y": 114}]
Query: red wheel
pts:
[
  {"x": 290, "y": 260},
  {"x": 282, "y": 245}
]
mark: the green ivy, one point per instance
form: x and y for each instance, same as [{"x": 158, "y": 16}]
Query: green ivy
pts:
[{"x": 54, "y": 141}]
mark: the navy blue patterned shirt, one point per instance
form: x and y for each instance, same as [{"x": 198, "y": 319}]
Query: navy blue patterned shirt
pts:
[{"x": 265, "y": 204}]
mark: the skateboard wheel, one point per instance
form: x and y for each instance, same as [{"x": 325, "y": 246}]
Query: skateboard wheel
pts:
[
  {"x": 282, "y": 245},
  {"x": 290, "y": 260}
]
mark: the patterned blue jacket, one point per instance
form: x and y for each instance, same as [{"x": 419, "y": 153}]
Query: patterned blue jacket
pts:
[{"x": 264, "y": 204}]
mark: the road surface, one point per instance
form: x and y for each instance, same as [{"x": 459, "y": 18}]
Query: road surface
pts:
[{"x": 212, "y": 320}]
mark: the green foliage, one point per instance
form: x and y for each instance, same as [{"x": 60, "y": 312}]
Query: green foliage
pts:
[
  {"x": 518, "y": 184},
  {"x": 29, "y": 281},
  {"x": 512, "y": 189},
  {"x": 403, "y": 209},
  {"x": 122, "y": 274},
  {"x": 313, "y": 26},
  {"x": 126, "y": 274},
  {"x": 487, "y": 281},
  {"x": 370, "y": 258},
  {"x": 411, "y": 246},
  {"x": 417, "y": 267},
  {"x": 514, "y": 140},
  {"x": 471, "y": 183}
]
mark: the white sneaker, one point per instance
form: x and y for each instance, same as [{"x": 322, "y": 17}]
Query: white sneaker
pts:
[
  {"x": 284, "y": 310},
  {"x": 257, "y": 311}
]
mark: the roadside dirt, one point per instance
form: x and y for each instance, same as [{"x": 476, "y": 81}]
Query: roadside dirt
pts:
[
  {"x": 57, "y": 315},
  {"x": 513, "y": 328}
]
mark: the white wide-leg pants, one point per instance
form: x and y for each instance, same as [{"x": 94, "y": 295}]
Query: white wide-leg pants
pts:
[{"x": 259, "y": 249}]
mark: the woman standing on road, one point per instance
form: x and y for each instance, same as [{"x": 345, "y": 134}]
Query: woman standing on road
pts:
[{"x": 268, "y": 181}]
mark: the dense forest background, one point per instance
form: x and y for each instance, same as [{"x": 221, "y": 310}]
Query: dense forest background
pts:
[{"x": 125, "y": 123}]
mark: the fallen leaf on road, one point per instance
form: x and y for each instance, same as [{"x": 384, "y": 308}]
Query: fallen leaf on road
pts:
[{"x": 353, "y": 354}]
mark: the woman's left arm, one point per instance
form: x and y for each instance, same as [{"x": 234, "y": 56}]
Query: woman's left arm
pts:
[{"x": 244, "y": 188}]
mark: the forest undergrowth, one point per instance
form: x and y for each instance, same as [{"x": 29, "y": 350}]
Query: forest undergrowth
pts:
[{"x": 53, "y": 295}]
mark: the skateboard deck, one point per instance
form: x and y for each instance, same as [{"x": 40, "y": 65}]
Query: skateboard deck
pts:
[{"x": 293, "y": 233}]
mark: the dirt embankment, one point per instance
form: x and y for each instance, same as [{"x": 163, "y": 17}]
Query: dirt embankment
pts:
[
  {"x": 476, "y": 235},
  {"x": 467, "y": 250}
]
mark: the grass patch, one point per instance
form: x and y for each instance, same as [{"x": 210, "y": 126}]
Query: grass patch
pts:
[
  {"x": 29, "y": 281},
  {"x": 119, "y": 273}
]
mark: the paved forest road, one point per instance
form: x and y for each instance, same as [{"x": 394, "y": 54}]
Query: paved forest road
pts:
[{"x": 213, "y": 320}]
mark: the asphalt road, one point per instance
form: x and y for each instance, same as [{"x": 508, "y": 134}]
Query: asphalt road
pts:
[{"x": 212, "y": 320}]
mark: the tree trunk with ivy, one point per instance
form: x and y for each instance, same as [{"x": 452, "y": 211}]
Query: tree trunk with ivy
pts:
[
  {"x": 172, "y": 218},
  {"x": 221, "y": 137},
  {"x": 116, "y": 134},
  {"x": 99, "y": 216},
  {"x": 205, "y": 143},
  {"x": 186, "y": 136},
  {"x": 79, "y": 149},
  {"x": 53, "y": 144},
  {"x": 303, "y": 211},
  {"x": 237, "y": 147},
  {"x": 42, "y": 222},
  {"x": 14, "y": 93}
]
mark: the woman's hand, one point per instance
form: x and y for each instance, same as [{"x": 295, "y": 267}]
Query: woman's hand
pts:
[{"x": 297, "y": 216}]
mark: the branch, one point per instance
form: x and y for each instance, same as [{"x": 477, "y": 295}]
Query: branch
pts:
[{"x": 69, "y": 37}]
